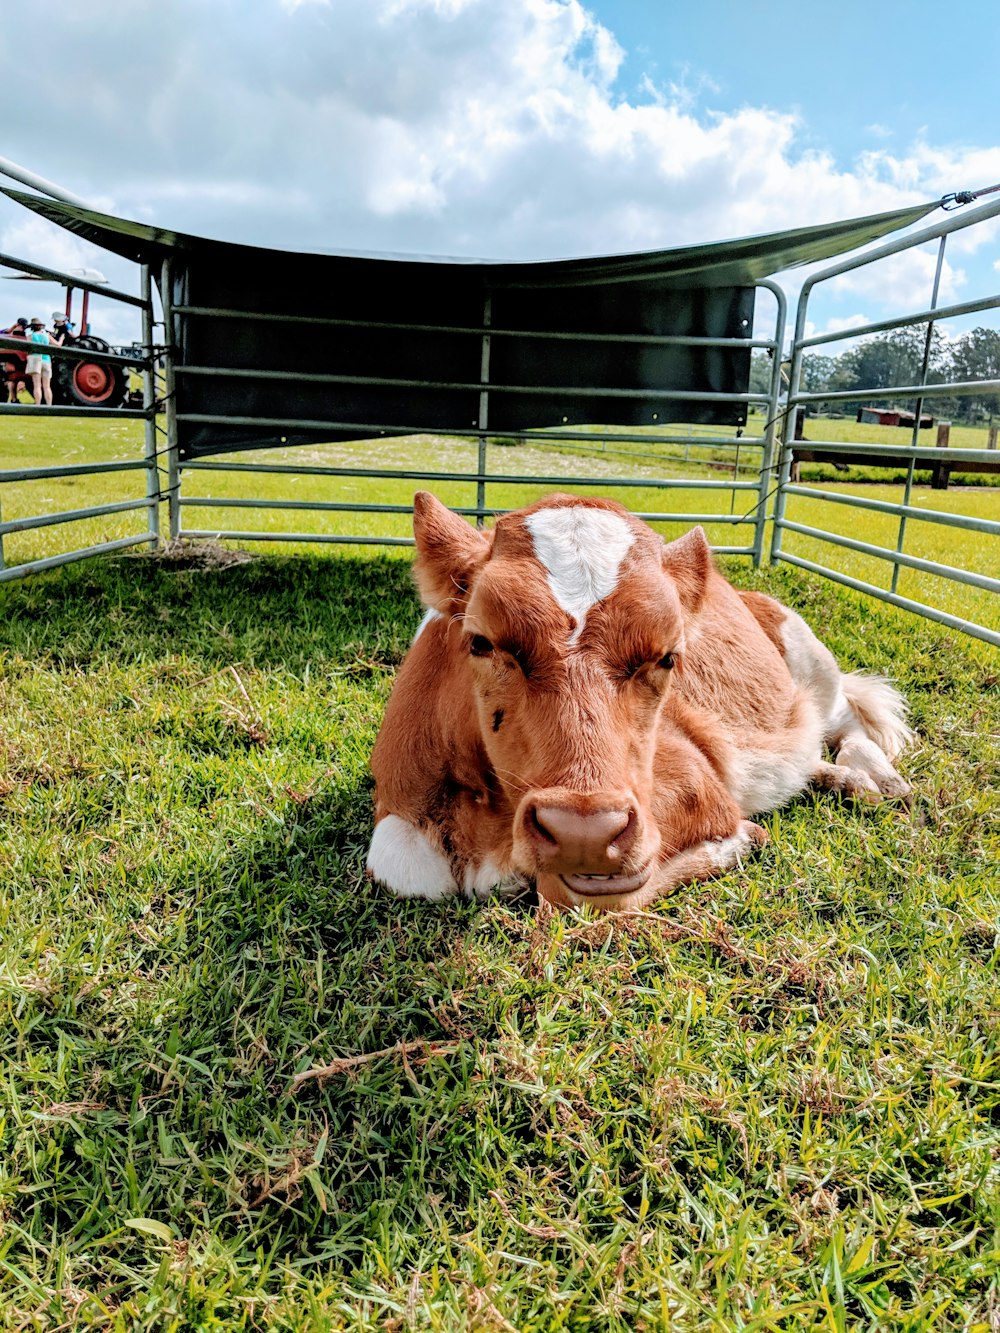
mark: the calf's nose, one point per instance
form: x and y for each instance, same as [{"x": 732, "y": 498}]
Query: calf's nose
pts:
[{"x": 586, "y": 841}]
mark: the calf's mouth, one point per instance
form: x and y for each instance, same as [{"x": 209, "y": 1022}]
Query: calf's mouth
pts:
[{"x": 600, "y": 886}]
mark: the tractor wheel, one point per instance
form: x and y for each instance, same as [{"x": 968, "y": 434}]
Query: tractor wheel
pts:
[{"x": 86, "y": 383}]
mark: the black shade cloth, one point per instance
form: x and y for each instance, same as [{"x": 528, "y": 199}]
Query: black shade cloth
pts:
[{"x": 281, "y": 347}]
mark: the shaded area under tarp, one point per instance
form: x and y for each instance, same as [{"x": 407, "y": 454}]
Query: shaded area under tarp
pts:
[{"x": 280, "y": 347}]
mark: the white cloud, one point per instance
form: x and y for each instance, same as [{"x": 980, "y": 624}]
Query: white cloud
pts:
[
  {"x": 904, "y": 282},
  {"x": 835, "y": 325},
  {"x": 457, "y": 123},
  {"x": 35, "y": 241},
  {"x": 459, "y": 127},
  {"x": 32, "y": 239}
]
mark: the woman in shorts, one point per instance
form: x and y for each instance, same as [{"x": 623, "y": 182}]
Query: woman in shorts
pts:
[{"x": 39, "y": 365}]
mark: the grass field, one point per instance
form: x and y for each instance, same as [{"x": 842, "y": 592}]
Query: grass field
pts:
[
  {"x": 37, "y": 442},
  {"x": 773, "y": 1102}
]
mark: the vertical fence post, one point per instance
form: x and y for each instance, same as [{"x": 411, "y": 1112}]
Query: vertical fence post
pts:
[
  {"x": 149, "y": 407},
  {"x": 991, "y": 437},
  {"x": 770, "y": 428},
  {"x": 788, "y": 415},
  {"x": 915, "y": 438},
  {"x": 484, "y": 409},
  {"x": 170, "y": 386},
  {"x": 940, "y": 473}
]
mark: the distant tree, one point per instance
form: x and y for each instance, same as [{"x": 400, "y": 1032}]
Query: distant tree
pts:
[
  {"x": 760, "y": 372},
  {"x": 817, "y": 375},
  {"x": 816, "y": 372},
  {"x": 976, "y": 356},
  {"x": 889, "y": 360}
]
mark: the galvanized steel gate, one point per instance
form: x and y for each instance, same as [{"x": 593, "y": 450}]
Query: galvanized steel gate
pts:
[
  {"x": 914, "y": 454},
  {"x": 486, "y": 479},
  {"x": 762, "y": 503}
]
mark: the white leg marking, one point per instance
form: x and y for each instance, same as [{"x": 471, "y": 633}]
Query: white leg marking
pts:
[
  {"x": 858, "y": 752},
  {"x": 763, "y": 779},
  {"x": 841, "y": 720},
  {"x": 405, "y": 861},
  {"x": 488, "y": 881},
  {"x": 810, "y": 663},
  {"x": 582, "y": 551},
  {"x": 870, "y": 706},
  {"x": 727, "y": 853}
]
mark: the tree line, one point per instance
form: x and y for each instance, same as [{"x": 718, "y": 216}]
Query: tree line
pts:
[{"x": 897, "y": 358}]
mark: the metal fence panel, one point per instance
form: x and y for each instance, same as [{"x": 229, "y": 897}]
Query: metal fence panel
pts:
[
  {"x": 590, "y": 372},
  {"x": 907, "y": 455},
  {"x": 148, "y": 464}
]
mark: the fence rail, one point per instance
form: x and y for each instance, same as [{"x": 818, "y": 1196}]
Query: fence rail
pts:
[
  {"x": 911, "y": 455},
  {"x": 899, "y": 510},
  {"x": 894, "y": 599},
  {"x": 760, "y": 446},
  {"x": 148, "y": 464},
  {"x": 765, "y": 501}
]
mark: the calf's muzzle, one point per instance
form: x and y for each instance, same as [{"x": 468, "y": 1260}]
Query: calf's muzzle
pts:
[{"x": 591, "y": 840}]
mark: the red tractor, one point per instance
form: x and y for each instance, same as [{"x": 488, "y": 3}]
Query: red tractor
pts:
[{"x": 75, "y": 382}]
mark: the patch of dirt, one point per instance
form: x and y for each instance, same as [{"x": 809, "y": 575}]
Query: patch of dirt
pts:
[{"x": 202, "y": 553}]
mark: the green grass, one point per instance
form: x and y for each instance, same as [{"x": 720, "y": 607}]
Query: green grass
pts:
[
  {"x": 972, "y": 551},
  {"x": 773, "y": 1102},
  {"x": 854, "y": 432},
  {"x": 37, "y": 441},
  {"x": 858, "y": 432}
]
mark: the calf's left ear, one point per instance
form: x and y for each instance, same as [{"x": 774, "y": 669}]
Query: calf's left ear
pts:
[
  {"x": 449, "y": 552},
  {"x": 688, "y": 561}
]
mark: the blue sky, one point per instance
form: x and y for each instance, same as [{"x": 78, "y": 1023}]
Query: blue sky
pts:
[
  {"x": 860, "y": 73},
  {"x": 522, "y": 129}
]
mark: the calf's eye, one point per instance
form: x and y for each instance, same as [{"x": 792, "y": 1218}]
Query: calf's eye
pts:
[
  {"x": 666, "y": 661},
  {"x": 480, "y": 646}
]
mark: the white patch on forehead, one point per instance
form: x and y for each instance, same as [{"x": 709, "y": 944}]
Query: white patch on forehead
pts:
[
  {"x": 582, "y": 550},
  {"x": 429, "y": 616}
]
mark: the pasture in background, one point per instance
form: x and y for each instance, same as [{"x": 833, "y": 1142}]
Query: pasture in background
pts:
[
  {"x": 203, "y": 392},
  {"x": 38, "y": 442}
]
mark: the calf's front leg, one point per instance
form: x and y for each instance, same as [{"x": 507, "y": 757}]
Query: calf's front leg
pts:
[{"x": 406, "y": 861}]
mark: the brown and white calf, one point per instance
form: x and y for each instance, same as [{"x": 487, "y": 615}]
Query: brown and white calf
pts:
[{"x": 598, "y": 712}]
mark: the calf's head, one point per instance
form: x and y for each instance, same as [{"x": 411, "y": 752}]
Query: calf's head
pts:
[{"x": 570, "y": 617}]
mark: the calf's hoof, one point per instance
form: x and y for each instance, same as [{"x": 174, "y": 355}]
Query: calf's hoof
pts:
[
  {"x": 853, "y": 783},
  {"x": 728, "y": 853}
]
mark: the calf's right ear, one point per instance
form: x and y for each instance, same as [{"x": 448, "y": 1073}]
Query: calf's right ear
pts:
[
  {"x": 449, "y": 552},
  {"x": 688, "y": 561}
]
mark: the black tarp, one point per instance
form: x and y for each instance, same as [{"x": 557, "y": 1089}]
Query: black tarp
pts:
[{"x": 278, "y": 346}]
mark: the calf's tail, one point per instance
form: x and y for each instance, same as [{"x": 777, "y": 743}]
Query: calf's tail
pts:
[{"x": 878, "y": 708}]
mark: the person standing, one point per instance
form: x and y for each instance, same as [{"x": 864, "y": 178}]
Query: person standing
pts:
[
  {"x": 63, "y": 330},
  {"x": 19, "y": 329},
  {"x": 40, "y": 363}
]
